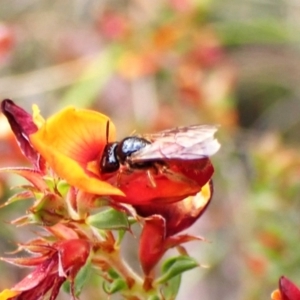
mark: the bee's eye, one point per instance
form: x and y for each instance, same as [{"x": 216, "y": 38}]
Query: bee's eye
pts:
[{"x": 109, "y": 162}]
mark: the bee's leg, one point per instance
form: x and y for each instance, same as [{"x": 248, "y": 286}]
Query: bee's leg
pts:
[
  {"x": 151, "y": 179},
  {"x": 164, "y": 170},
  {"x": 119, "y": 175},
  {"x": 125, "y": 169}
]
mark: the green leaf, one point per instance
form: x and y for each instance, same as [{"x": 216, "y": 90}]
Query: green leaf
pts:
[
  {"x": 50, "y": 182},
  {"x": 132, "y": 220},
  {"x": 113, "y": 274},
  {"x": 153, "y": 297},
  {"x": 82, "y": 277},
  {"x": 171, "y": 288},
  {"x": 175, "y": 266},
  {"x": 109, "y": 219},
  {"x": 115, "y": 286},
  {"x": 63, "y": 187},
  {"x": 121, "y": 234}
]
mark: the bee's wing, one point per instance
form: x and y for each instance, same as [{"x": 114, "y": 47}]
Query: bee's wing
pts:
[{"x": 186, "y": 143}]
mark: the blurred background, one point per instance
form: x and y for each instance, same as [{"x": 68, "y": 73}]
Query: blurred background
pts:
[{"x": 152, "y": 65}]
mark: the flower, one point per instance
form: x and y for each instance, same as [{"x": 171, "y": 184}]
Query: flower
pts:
[
  {"x": 287, "y": 290},
  {"x": 162, "y": 222},
  {"x": 66, "y": 149},
  {"x": 74, "y": 153},
  {"x": 53, "y": 267},
  {"x": 68, "y": 152}
]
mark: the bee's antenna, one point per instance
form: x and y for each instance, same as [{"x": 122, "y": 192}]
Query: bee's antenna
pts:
[{"x": 107, "y": 131}]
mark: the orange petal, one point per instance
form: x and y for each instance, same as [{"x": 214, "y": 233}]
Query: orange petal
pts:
[
  {"x": 70, "y": 141},
  {"x": 276, "y": 295}
]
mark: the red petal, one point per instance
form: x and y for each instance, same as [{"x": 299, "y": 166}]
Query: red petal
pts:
[
  {"x": 288, "y": 289},
  {"x": 26, "y": 261},
  {"x": 62, "y": 232},
  {"x": 22, "y": 125},
  {"x": 182, "y": 179},
  {"x": 73, "y": 254},
  {"x": 33, "y": 176},
  {"x": 182, "y": 214},
  {"x": 151, "y": 246},
  {"x": 175, "y": 241},
  {"x": 34, "y": 278}
]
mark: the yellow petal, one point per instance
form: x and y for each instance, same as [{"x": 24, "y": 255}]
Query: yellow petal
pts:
[
  {"x": 6, "y": 294},
  {"x": 70, "y": 141},
  {"x": 36, "y": 116}
]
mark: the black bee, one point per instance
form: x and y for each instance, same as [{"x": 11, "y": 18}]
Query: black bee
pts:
[{"x": 182, "y": 143}]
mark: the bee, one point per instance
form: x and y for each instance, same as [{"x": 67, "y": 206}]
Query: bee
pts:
[{"x": 185, "y": 143}]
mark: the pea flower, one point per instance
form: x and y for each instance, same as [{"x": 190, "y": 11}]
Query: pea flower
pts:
[
  {"x": 67, "y": 184},
  {"x": 72, "y": 143}
]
